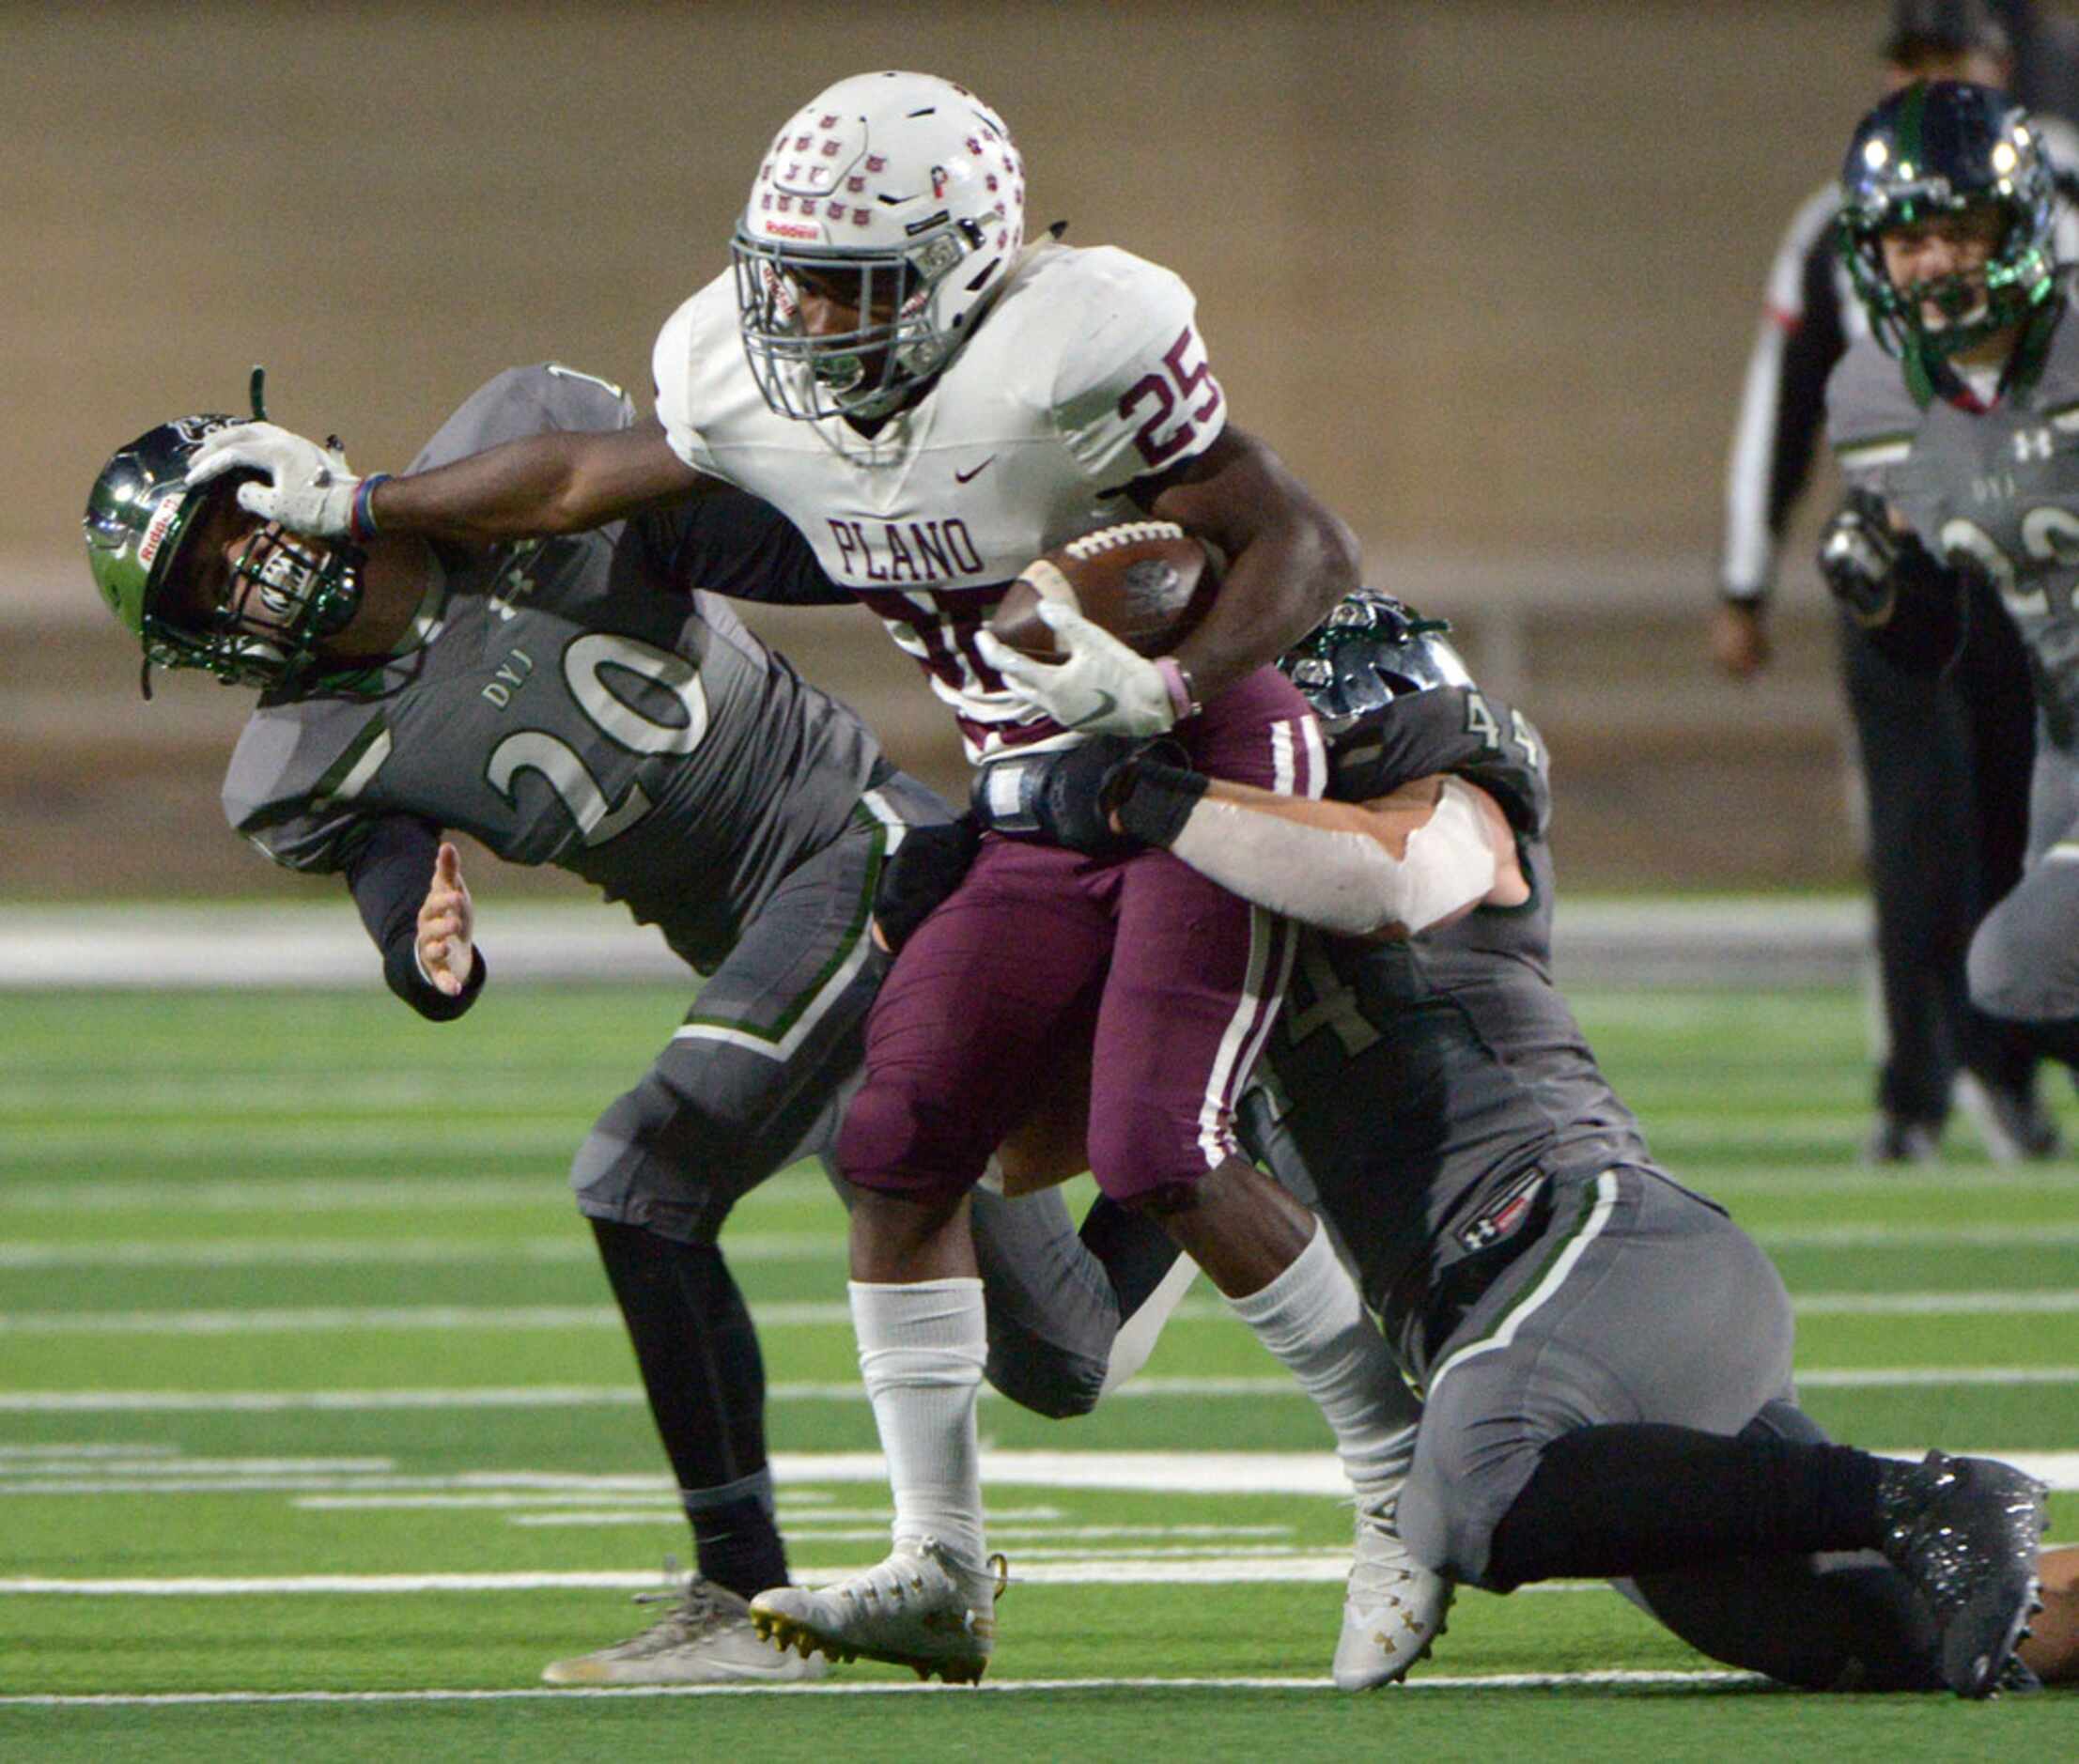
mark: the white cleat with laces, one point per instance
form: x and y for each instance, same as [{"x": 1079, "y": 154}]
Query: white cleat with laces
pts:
[
  {"x": 705, "y": 1638},
  {"x": 1395, "y": 1610},
  {"x": 921, "y": 1609}
]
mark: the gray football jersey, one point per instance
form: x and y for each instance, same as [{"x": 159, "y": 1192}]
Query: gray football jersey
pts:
[
  {"x": 1411, "y": 1089},
  {"x": 575, "y": 704},
  {"x": 1998, "y": 486}
]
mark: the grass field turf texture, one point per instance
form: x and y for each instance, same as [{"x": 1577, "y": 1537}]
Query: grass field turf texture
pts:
[{"x": 292, "y": 1299}]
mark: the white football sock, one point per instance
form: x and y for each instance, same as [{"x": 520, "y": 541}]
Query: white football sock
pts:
[
  {"x": 1312, "y": 1318},
  {"x": 921, "y": 1350}
]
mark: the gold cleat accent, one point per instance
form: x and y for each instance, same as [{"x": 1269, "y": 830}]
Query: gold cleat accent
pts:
[{"x": 918, "y": 1610}]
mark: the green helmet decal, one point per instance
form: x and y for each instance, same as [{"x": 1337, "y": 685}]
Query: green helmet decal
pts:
[
  {"x": 1370, "y": 649},
  {"x": 141, "y": 515},
  {"x": 138, "y": 513}
]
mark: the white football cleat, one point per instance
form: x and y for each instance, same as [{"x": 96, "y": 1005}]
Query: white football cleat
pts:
[
  {"x": 705, "y": 1638},
  {"x": 1395, "y": 1607},
  {"x": 921, "y": 1609}
]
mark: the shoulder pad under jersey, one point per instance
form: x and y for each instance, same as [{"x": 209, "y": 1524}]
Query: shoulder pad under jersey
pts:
[{"x": 1461, "y": 730}]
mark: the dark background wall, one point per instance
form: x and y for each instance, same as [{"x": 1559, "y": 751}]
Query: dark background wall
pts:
[{"x": 1485, "y": 272}]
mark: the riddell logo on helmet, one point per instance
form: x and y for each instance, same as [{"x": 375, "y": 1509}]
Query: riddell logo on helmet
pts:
[
  {"x": 792, "y": 229},
  {"x": 155, "y": 531}
]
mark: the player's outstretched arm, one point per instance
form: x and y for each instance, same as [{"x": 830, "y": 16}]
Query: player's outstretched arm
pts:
[
  {"x": 446, "y": 941},
  {"x": 1425, "y": 853},
  {"x": 388, "y": 876},
  {"x": 1400, "y": 865},
  {"x": 565, "y": 481},
  {"x": 1290, "y": 559}
]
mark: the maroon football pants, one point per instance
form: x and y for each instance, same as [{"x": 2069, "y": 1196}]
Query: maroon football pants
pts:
[{"x": 1172, "y": 982}]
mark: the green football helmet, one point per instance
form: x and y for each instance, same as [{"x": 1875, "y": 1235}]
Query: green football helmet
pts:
[
  {"x": 283, "y": 596},
  {"x": 1931, "y": 150},
  {"x": 1369, "y": 650}
]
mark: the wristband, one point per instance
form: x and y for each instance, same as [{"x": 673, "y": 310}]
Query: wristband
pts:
[
  {"x": 361, "y": 522},
  {"x": 1183, "y": 694},
  {"x": 1160, "y": 802}
]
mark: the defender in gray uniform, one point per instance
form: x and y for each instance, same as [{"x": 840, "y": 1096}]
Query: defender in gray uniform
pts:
[
  {"x": 579, "y": 702},
  {"x": 1604, "y": 1357},
  {"x": 1959, "y": 425},
  {"x": 1943, "y": 760}
]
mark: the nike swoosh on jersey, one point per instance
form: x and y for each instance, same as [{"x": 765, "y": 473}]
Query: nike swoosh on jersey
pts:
[{"x": 962, "y": 477}]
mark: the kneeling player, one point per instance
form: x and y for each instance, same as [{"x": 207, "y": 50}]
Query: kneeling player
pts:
[{"x": 1606, "y": 1357}]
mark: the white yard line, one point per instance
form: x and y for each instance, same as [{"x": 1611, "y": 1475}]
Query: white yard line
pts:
[
  {"x": 1916, "y": 1236},
  {"x": 1184, "y": 1387},
  {"x": 2013, "y": 1302},
  {"x": 1237, "y": 1565},
  {"x": 347, "y": 1194},
  {"x": 1915, "y": 1377},
  {"x": 1816, "y": 1179},
  {"x": 235, "y": 1469},
  {"x": 316, "y": 1402},
  {"x": 809, "y": 1532},
  {"x": 825, "y": 1245},
  {"x": 316, "y": 1194},
  {"x": 380, "y": 1252},
  {"x": 1274, "y": 1473},
  {"x": 1000, "y": 1687},
  {"x": 820, "y": 1313}
]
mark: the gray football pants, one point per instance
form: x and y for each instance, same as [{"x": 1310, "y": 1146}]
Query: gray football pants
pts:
[
  {"x": 1639, "y": 1303},
  {"x": 2023, "y": 961},
  {"x": 758, "y": 1076},
  {"x": 752, "y": 1079}
]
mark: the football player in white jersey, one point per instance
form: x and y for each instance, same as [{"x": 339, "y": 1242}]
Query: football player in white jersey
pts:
[{"x": 934, "y": 402}]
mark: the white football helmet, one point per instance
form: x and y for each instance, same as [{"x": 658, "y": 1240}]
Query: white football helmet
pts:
[{"x": 911, "y": 182}]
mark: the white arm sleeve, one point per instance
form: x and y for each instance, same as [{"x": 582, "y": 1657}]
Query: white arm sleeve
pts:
[{"x": 1342, "y": 880}]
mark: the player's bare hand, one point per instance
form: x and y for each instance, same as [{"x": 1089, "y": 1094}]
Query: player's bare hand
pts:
[
  {"x": 1102, "y": 685},
  {"x": 447, "y": 926},
  {"x": 309, "y": 488},
  {"x": 1740, "y": 638}
]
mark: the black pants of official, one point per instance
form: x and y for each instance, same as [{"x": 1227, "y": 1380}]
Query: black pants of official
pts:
[{"x": 1944, "y": 764}]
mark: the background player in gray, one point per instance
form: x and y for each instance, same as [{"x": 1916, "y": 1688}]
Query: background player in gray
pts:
[
  {"x": 575, "y": 702},
  {"x": 1606, "y": 1357},
  {"x": 1960, "y": 424},
  {"x": 1944, "y": 759}
]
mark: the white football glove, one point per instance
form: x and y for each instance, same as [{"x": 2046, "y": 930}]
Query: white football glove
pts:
[
  {"x": 1102, "y": 686},
  {"x": 309, "y": 489}
]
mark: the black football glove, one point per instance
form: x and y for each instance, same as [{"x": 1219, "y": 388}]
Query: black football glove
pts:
[
  {"x": 926, "y": 867},
  {"x": 1064, "y": 797},
  {"x": 1153, "y": 798},
  {"x": 1862, "y": 557}
]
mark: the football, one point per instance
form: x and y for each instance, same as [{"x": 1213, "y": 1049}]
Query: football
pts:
[{"x": 1148, "y": 582}]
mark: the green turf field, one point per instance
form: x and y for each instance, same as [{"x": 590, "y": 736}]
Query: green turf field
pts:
[{"x": 310, "y": 1390}]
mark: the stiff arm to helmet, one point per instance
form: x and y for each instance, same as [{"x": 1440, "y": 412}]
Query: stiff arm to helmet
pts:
[
  {"x": 308, "y": 488},
  {"x": 144, "y": 513}
]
